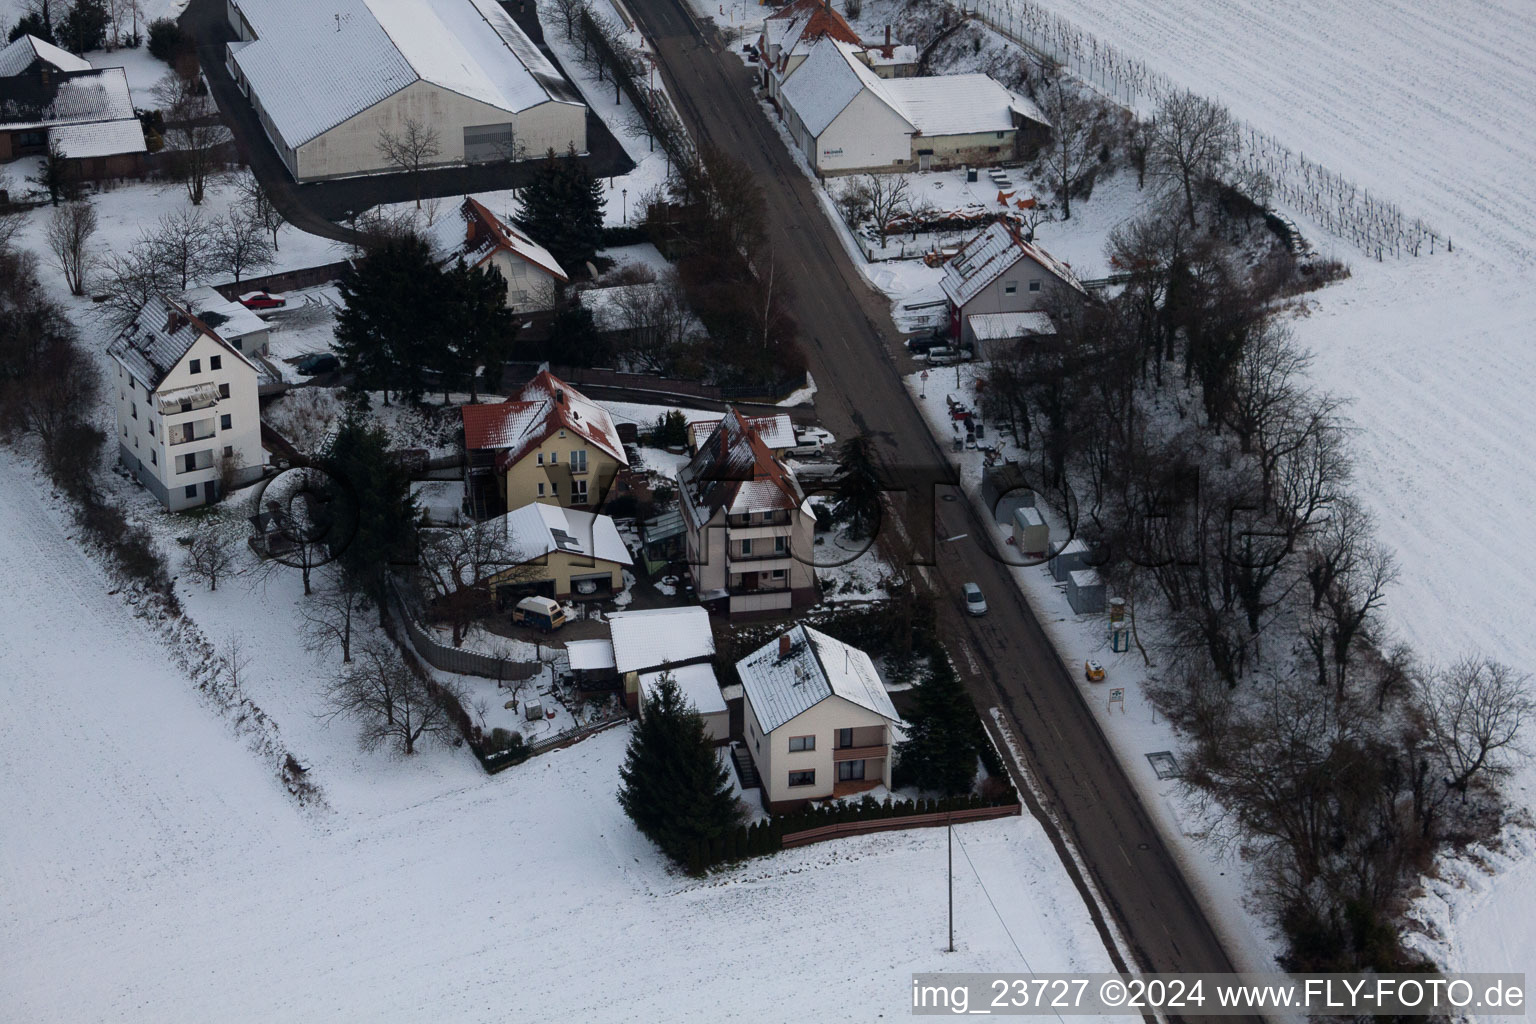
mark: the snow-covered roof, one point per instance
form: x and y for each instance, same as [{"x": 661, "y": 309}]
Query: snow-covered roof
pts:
[
  {"x": 160, "y": 336},
  {"x": 827, "y": 81},
  {"x": 589, "y": 655},
  {"x": 958, "y": 104},
  {"x": 696, "y": 683},
  {"x": 26, "y": 50},
  {"x": 1007, "y": 326},
  {"x": 735, "y": 471},
  {"x": 74, "y": 97},
  {"x": 777, "y": 431},
  {"x": 539, "y": 529},
  {"x": 780, "y": 686},
  {"x": 989, "y": 255},
  {"x": 886, "y": 56},
  {"x": 99, "y": 138},
  {"x": 230, "y": 319},
  {"x": 660, "y": 636},
  {"x": 316, "y": 63},
  {"x": 478, "y": 234},
  {"x": 544, "y": 405},
  {"x": 801, "y": 23}
]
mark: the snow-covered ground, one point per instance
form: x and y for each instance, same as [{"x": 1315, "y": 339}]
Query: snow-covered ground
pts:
[{"x": 163, "y": 875}]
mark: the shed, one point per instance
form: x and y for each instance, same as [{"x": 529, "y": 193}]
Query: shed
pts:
[
  {"x": 1031, "y": 534},
  {"x": 1085, "y": 591},
  {"x": 1072, "y": 556},
  {"x": 592, "y": 664},
  {"x": 700, "y": 688}
]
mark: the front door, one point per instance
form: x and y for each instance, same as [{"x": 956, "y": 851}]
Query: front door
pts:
[{"x": 210, "y": 491}]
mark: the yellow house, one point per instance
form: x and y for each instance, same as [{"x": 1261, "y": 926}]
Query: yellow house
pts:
[
  {"x": 548, "y": 443},
  {"x": 557, "y": 552}
]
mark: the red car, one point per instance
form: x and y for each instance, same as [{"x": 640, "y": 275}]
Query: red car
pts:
[{"x": 262, "y": 300}]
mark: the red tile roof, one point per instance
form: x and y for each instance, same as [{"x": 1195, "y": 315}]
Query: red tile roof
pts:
[
  {"x": 544, "y": 405},
  {"x": 736, "y": 471}
]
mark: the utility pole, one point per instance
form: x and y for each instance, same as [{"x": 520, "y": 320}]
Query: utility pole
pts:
[{"x": 949, "y": 826}]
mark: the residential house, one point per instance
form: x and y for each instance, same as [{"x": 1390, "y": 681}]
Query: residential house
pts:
[
  {"x": 647, "y": 644},
  {"x": 552, "y": 551},
  {"x": 789, "y": 33},
  {"x": 749, "y": 524},
  {"x": 1000, "y": 271},
  {"x": 547, "y": 443},
  {"x": 993, "y": 334},
  {"x": 482, "y": 239},
  {"x": 817, "y": 721},
  {"x": 51, "y": 97},
  {"x": 777, "y": 432},
  {"x": 328, "y": 78},
  {"x": 847, "y": 119},
  {"x": 187, "y": 414},
  {"x": 236, "y": 324}
]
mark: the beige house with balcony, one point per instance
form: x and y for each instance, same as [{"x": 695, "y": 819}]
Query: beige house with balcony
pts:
[
  {"x": 551, "y": 551},
  {"x": 187, "y": 414},
  {"x": 547, "y": 443},
  {"x": 749, "y": 529},
  {"x": 817, "y": 721}
]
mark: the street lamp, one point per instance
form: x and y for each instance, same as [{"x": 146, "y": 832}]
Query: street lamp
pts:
[{"x": 624, "y": 194}]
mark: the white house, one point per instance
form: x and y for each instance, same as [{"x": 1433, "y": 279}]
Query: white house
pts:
[
  {"x": 481, "y": 239},
  {"x": 749, "y": 525},
  {"x": 328, "y": 77},
  {"x": 816, "y": 719},
  {"x": 847, "y": 119},
  {"x": 999, "y": 271},
  {"x": 187, "y": 414},
  {"x": 677, "y": 640}
]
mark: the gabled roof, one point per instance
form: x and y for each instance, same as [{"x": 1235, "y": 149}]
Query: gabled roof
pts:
[
  {"x": 777, "y": 431},
  {"x": 69, "y": 97},
  {"x": 537, "y": 529},
  {"x": 486, "y": 234},
  {"x": 99, "y": 138},
  {"x": 828, "y": 80},
  {"x": 806, "y": 21},
  {"x": 159, "y": 338},
  {"x": 696, "y": 683},
  {"x": 544, "y": 405},
  {"x": 316, "y": 63},
  {"x": 735, "y": 471},
  {"x": 781, "y": 685},
  {"x": 1007, "y": 326},
  {"x": 28, "y": 50},
  {"x": 660, "y": 636},
  {"x": 959, "y": 104},
  {"x": 989, "y": 255}
]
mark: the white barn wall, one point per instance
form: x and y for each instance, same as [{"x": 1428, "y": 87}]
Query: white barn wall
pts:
[{"x": 867, "y": 135}]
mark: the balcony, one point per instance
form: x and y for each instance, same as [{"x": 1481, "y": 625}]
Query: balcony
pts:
[
  {"x": 860, "y": 753},
  {"x": 186, "y": 433},
  {"x": 194, "y": 462}
]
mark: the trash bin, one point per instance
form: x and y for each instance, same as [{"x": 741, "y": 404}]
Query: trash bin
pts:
[{"x": 970, "y": 174}]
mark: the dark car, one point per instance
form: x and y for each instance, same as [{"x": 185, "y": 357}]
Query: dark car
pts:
[
  {"x": 317, "y": 363},
  {"x": 920, "y": 345}
]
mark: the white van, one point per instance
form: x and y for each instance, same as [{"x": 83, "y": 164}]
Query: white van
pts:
[{"x": 542, "y": 613}]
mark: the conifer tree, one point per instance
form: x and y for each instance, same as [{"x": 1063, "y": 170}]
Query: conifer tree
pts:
[
  {"x": 393, "y": 316},
  {"x": 674, "y": 787},
  {"x": 478, "y": 327},
  {"x": 944, "y": 736},
  {"x": 562, "y": 209},
  {"x": 374, "y": 515},
  {"x": 859, "y": 490}
]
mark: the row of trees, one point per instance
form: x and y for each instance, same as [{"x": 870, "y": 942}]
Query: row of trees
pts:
[{"x": 1173, "y": 426}]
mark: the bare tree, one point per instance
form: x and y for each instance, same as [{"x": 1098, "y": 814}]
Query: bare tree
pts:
[
  {"x": 330, "y": 616},
  {"x": 1268, "y": 383},
  {"x": 411, "y": 150},
  {"x": 456, "y": 569},
  {"x": 211, "y": 554},
  {"x": 1080, "y": 129},
  {"x": 69, "y": 239},
  {"x": 182, "y": 244},
  {"x": 258, "y": 205},
  {"x": 297, "y": 525},
  {"x": 655, "y": 322},
  {"x": 885, "y": 197},
  {"x": 1136, "y": 143},
  {"x": 194, "y": 135},
  {"x": 239, "y": 244},
  {"x": 393, "y": 705},
  {"x": 235, "y": 660},
  {"x": 569, "y": 13},
  {"x": 1474, "y": 711},
  {"x": 129, "y": 279},
  {"x": 1193, "y": 141}
]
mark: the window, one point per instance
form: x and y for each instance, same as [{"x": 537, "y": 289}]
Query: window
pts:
[
  {"x": 850, "y": 771},
  {"x": 746, "y": 546},
  {"x": 135, "y": 440},
  {"x": 229, "y": 451},
  {"x": 579, "y": 490},
  {"x": 225, "y": 421},
  {"x": 541, "y": 490},
  {"x": 191, "y": 491},
  {"x": 1034, "y": 285},
  {"x": 803, "y": 778},
  {"x": 800, "y": 743},
  {"x": 1009, "y": 287},
  {"x": 999, "y": 134},
  {"x": 215, "y": 362},
  {"x": 195, "y": 366},
  {"x": 844, "y": 738},
  {"x": 151, "y": 428},
  {"x": 579, "y": 460},
  {"x": 562, "y": 433},
  {"x": 236, "y": 342},
  {"x": 135, "y": 408},
  {"x": 777, "y": 574},
  {"x": 541, "y": 458},
  {"x": 125, "y": 430},
  {"x": 223, "y": 390},
  {"x": 780, "y": 545},
  {"x": 131, "y": 384},
  {"x": 153, "y": 461},
  {"x": 554, "y": 457}
]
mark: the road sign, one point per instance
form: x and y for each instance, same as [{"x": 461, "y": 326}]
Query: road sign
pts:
[{"x": 1116, "y": 693}]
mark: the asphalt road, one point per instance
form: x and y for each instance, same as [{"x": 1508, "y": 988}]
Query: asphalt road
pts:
[{"x": 853, "y": 349}]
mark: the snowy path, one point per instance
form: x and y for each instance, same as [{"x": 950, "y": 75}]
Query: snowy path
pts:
[{"x": 152, "y": 869}]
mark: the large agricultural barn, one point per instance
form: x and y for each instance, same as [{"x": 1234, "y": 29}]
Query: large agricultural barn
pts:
[{"x": 328, "y": 77}]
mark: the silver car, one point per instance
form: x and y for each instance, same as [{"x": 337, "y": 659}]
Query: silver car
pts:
[{"x": 975, "y": 604}]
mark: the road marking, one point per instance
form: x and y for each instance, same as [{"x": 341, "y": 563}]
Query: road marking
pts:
[
  {"x": 1129, "y": 864},
  {"x": 970, "y": 659}
]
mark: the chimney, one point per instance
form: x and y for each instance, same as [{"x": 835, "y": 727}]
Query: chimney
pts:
[
  {"x": 887, "y": 37},
  {"x": 559, "y": 396},
  {"x": 784, "y": 646}
]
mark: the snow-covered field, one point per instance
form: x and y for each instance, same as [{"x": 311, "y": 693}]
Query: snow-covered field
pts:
[{"x": 155, "y": 871}]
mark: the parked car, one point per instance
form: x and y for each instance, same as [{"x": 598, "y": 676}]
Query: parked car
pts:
[
  {"x": 947, "y": 356},
  {"x": 811, "y": 441},
  {"x": 542, "y": 613},
  {"x": 262, "y": 300},
  {"x": 1093, "y": 671},
  {"x": 926, "y": 343},
  {"x": 821, "y": 472},
  {"x": 975, "y": 602},
  {"x": 317, "y": 363}
]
